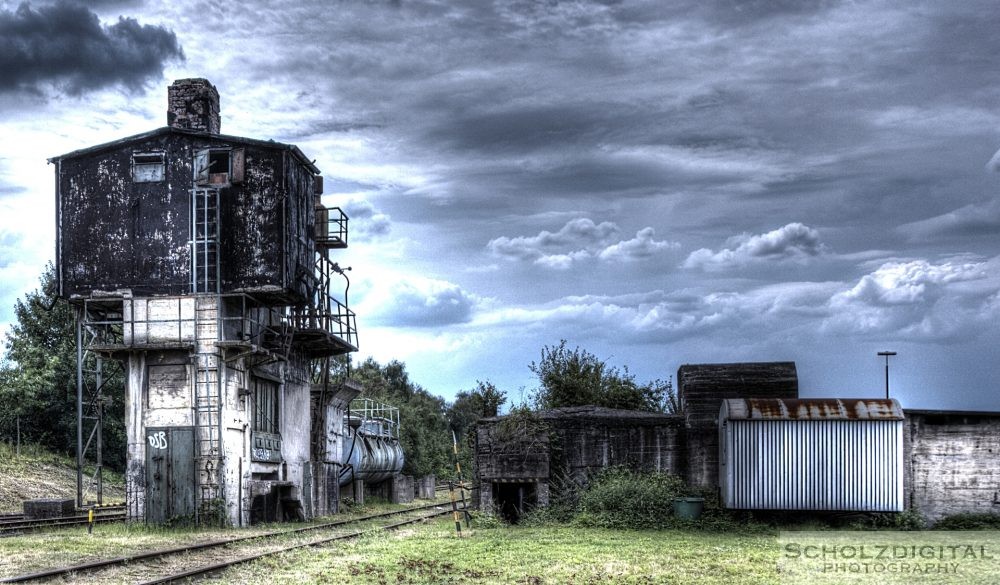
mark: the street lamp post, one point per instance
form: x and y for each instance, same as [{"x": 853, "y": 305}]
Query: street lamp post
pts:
[{"x": 886, "y": 354}]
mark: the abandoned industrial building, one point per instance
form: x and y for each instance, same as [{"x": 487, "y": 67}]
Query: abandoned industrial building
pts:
[
  {"x": 201, "y": 268},
  {"x": 744, "y": 432}
]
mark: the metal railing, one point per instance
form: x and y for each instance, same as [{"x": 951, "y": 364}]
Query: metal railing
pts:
[
  {"x": 236, "y": 318},
  {"x": 332, "y": 317},
  {"x": 331, "y": 227},
  {"x": 376, "y": 418}
]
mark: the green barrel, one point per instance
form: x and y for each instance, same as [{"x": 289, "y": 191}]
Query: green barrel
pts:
[{"x": 688, "y": 508}]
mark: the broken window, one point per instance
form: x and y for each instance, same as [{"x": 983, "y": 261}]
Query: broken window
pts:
[
  {"x": 218, "y": 167},
  {"x": 147, "y": 167}
]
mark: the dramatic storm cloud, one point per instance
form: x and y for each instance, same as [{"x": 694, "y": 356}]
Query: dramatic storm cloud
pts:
[
  {"x": 658, "y": 182},
  {"x": 66, "y": 45}
]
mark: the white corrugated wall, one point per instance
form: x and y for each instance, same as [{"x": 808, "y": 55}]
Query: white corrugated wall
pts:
[{"x": 854, "y": 465}]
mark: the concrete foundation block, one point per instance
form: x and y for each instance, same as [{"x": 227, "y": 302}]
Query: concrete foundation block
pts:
[
  {"x": 48, "y": 508},
  {"x": 425, "y": 487},
  {"x": 402, "y": 489}
]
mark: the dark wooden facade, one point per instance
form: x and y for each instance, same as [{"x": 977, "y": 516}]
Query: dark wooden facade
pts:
[
  {"x": 701, "y": 388},
  {"x": 116, "y": 232}
]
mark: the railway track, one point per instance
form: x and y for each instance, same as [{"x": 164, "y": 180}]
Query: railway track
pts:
[
  {"x": 219, "y": 567},
  {"x": 216, "y": 556},
  {"x": 16, "y": 523}
]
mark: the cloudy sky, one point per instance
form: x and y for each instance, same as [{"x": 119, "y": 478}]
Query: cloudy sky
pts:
[{"x": 658, "y": 182}]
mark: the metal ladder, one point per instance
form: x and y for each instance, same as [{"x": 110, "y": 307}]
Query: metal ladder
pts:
[
  {"x": 205, "y": 240},
  {"x": 207, "y": 370},
  {"x": 208, "y": 412}
]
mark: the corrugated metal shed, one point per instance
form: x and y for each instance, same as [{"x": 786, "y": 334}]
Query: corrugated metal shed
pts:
[{"x": 820, "y": 454}]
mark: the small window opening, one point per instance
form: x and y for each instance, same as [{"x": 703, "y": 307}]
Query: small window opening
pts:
[
  {"x": 147, "y": 167},
  {"x": 212, "y": 167}
]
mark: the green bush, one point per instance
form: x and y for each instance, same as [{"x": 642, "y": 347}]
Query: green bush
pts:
[
  {"x": 621, "y": 498},
  {"x": 906, "y": 520},
  {"x": 558, "y": 512},
  {"x": 486, "y": 520},
  {"x": 969, "y": 521}
]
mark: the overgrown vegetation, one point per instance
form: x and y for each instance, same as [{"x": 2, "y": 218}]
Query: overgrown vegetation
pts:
[
  {"x": 969, "y": 521},
  {"x": 33, "y": 471},
  {"x": 625, "y": 499},
  {"x": 906, "y": 520},
  {"x": 578, "y": 378},
  {"x": 621, "y": 498}
]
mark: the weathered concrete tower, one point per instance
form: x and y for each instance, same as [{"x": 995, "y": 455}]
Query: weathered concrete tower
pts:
[{"x": 200, "y": 262}]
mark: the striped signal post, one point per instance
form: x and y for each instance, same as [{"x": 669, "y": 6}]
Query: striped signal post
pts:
[
  {"x": 461, "y": 483},
  {"x": 454, "y": 508}
]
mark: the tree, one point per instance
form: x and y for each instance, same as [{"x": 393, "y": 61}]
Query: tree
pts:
[
  {"x": 38, "y": 378},
  {"x": 577, "y": 378},
  {"x": 470, "y": 406}
]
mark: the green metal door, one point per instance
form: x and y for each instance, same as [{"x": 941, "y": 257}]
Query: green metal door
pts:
[{"x": 170, "y": 474}]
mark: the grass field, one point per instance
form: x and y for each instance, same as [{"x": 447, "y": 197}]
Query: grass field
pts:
[
  {"x": 431, "y": 553},
  {"x": 488, "y": 552}
]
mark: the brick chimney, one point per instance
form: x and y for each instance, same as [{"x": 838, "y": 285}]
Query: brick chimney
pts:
[{"x": 193, "y": 104}]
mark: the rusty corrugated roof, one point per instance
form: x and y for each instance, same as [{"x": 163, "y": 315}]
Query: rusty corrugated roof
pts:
[{"x": 811, "y": 409}]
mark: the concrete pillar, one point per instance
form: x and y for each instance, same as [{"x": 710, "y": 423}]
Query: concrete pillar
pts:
[
  {"x": 486, "y": 496},
  {"x": 359, "y": 491},
  {"x": 542, "y": 493},
  {"x": 401, "y": 490},
  {"x": 425, "y": 487}
]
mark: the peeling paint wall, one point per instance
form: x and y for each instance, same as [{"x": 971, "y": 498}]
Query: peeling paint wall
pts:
[
  {"x": 153, "y": 393},
  {"x": 295, "y": 447},
  {"x": 116, "y": 233},
  {"x": 300, "y": 219},
  {"x": 251, "y": 228}
]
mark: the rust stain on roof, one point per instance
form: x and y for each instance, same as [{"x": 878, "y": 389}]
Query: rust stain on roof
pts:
[{"x": 813, "y": 409}]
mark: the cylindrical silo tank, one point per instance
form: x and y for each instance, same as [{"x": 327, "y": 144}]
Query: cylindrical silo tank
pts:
[{"x": 370, "y": 457}]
